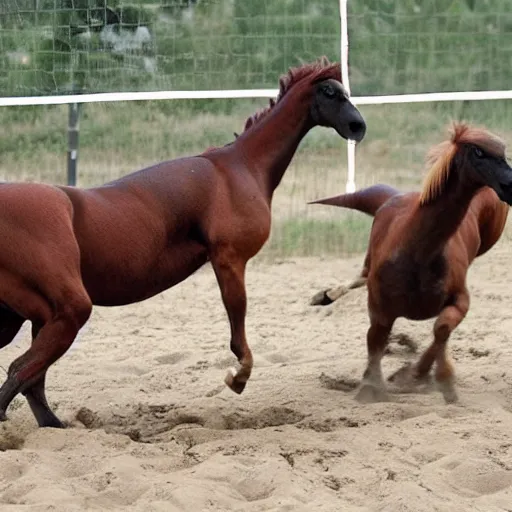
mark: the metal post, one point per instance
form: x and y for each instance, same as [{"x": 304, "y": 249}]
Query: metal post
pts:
[{"x": 73, "y": 131}]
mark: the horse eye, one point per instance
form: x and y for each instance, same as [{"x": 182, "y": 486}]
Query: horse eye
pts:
[
  {"x": 329, "y": 91},
  {"x": 478, "y": 152}
]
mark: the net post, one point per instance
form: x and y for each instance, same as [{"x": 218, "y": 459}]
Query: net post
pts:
[
  {"x": 351, "y": 145},
  {"x": 73, "y": 132},
  {"x": 351, "y": 164}
]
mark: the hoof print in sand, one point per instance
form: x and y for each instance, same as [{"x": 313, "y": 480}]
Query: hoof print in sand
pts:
[
  {"x": 173, "y": 358},
  {"x": 339, "y": 383}
]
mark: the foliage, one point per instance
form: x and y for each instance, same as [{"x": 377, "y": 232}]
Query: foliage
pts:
[
  {"x": 395, "y": 46},
  {"x": 429, "y": 46}
]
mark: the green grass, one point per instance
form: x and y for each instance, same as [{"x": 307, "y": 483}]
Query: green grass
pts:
[
  {"x": 395, "y": 47},
  {"x": 312, "y": 237},
  {"x": 118, "y": 138}
]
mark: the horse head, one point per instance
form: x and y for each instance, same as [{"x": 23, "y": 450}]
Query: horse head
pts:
[{"x": 330, "y": 105}]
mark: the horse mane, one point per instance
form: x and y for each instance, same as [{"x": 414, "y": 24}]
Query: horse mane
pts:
[
  {"x": 259, "y": 115},
  {"x": 441, "y": 157},
  {"x": 316, "y": 71}
]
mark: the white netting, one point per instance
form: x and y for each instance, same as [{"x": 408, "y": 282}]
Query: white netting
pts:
[
  {"x": 412, "y": 46},
  {"x": 60, "y": 46}
]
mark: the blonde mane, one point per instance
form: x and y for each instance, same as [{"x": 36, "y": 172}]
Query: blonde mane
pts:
[{"x": 441, "y": 157}]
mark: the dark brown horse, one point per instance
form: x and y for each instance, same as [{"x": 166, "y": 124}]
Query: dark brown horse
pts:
[
  {"x": 421, "y": 246},
  {"x": 66, "y": 249}
]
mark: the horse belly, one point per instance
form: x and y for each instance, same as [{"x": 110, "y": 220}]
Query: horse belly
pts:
[
  {"x": 426, "y": 307},
  {"x": 126, "y": 285},
  {"x": 412, "y": 291}
]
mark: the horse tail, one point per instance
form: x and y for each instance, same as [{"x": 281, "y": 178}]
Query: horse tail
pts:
[{"x": 367, "y": 200}]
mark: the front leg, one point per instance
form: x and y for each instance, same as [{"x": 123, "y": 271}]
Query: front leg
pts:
[
  {"x": 373, "y": 388},
  {"x": 449, "y": 318},
  {"x": 229, "y": 269}
]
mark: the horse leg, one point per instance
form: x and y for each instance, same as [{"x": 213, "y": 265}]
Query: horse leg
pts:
[
  {"x": 446, "y": 322},
  {"x": 69, "y": 311},
  {"x": 326, "y": 297},
  {"x": 230, "y": 272},
  {"x": 10, "y": 324},
  {"x": 449, "y": 318},
  {"x": 373, "y": 388},
  {"x": 36, "y": 397}
]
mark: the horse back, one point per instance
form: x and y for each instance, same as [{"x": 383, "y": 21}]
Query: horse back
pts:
[{"x": 132, "y": 220}]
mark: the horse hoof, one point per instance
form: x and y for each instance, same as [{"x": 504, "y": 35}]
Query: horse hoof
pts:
[
  {"x": 3, "y": 416},
  {"x": 406, "y": 380},
  {"x": 403, "y": 376},
  {"x": 369, "y": 394},
  {"x": 404, "y": 340},
  {"x": 54, "y": 423},
  {"x": 232, "y": 382},
  {"x": 451, "y": 398},
  {"x": 321, "y": 299},
  {"x": 449, "y": 394}
]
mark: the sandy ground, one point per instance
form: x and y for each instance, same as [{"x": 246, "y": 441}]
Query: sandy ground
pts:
[{"x": 153, "y": 428}]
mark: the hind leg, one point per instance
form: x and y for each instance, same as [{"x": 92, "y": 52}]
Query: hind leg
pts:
[
  {"x": 326, "y": 297},
  {"x": 36, "y": 398},
  {"x": 449, "y": 318},
  {"x": 373, "y": 388},
  {"x": 10, "y": 324},
  {"x": 63, "y": 316}
]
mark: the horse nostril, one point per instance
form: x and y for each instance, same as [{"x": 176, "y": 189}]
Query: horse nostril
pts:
[
  {"x": 358, "y": 128},
  {"x": 355, "y": 126}
]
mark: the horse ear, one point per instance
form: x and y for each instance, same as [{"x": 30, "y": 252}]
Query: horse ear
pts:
[
  {"x": 272, "y": 102},
  {"x": 282, "y": 84},
  {"x": 324, "y": 61}
]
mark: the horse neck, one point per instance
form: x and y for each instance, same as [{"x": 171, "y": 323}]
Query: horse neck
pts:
[
  {"x": 433, "y": 224},
  {"x": 270, "y": 145},
  {"x": 491, "y": 215}
]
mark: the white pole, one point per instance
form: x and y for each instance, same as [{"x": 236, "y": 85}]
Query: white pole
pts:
[
  {"x": 344, "y": 45},
  {"x": 351, "y": 147}
]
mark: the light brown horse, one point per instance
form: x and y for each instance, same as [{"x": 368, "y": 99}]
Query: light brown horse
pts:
[
  {"x": 421, "y": 246},
  {"x": 66, "y": 249}
]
